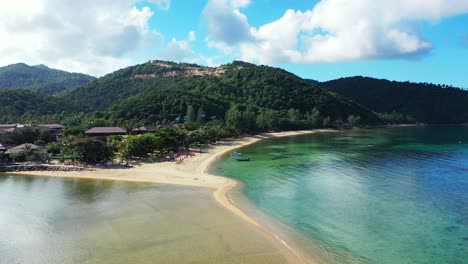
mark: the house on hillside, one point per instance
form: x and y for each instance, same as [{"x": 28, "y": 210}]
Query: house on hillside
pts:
[
  {"x": 104, "y": 132},
  {"x": 143, "y": 130}
]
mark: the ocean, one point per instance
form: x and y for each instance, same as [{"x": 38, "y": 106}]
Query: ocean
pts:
[{"x": 389, "y": 196}]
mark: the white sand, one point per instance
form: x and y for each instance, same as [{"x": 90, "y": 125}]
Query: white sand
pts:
[{"x": 191, "y": 172}]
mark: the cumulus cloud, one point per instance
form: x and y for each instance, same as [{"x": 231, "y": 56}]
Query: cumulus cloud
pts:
[
  {"x": 226, "y": 23},
  {"x": 182, "y": 51},
  {"x": 332, "y": 30},
  {"x": 89, "y": 36},
  {"x": 179, "y": 50}
]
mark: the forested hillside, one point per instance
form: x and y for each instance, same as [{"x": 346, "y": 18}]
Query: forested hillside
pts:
[
  {"x": 421, "y": 102},
  {"x": 40, "y": 78},
  {"x": 242, "y": 96},
  {"x": 29, "y": 107},
  {"x": 162, "y": 91}
]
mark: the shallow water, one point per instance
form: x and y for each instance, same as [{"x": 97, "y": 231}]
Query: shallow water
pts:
[
  {"x": 54, "y": 220},
  {"x": 382, "y": 196}
]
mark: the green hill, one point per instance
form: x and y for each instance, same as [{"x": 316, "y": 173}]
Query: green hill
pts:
[
  {"x": 40, "y": 78},
  {"x": 160, "y": 90},
  {"x": 19, "y": 105},
  {"x": 424, "y": 102}
]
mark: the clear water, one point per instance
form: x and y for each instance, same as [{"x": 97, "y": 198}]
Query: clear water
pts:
[
  {"x": 68, "y": 221},
  {"x": 389, "y": 196}
]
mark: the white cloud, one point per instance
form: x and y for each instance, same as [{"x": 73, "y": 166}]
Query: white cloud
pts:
[
  {"x": 182, "y": 51},
  {"x": 179, "y": 50},
  {"x": 163, "y": 4},
  {"x": 192, "y": 36},
  {"x": 225, "y": 22},
  {"x": 333, "y": 30},
  {"x": 89, "y": 36}
]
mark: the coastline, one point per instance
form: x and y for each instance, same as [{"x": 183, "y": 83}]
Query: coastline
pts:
[{"x": 193, "y": 172}]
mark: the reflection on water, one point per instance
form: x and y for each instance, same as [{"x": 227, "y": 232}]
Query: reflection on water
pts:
[
  {"x": 386, "y": 196},
  {"x": 53, "y": 220}
]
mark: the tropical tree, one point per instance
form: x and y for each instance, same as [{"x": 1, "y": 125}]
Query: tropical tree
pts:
[
  {"x": 327, "y": 123},
  {"x": 234, "y": 118},
  {"x": 315, "y": 118},
  {"x": 354, "y": 120},
  {"x": 268, "y": 120},
  {"x": 190, "y": 114},
  {"x": 139, "y": 146},
  {"x": 89, "y": 150}
]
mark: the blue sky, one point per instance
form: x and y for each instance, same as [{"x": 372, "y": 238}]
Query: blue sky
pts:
[{"x": 405, "y": 40}]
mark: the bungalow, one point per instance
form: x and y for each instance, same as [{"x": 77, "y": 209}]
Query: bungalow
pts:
[
  {"x": 22, "y": 148},
  {"x": 6, "y": 128},
  {"x": 104, "y": 132},
  {"x": 143, "y": 130}
]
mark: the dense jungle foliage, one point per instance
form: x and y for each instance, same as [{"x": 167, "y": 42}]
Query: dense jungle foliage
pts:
[{"x": 421, "y": 102}]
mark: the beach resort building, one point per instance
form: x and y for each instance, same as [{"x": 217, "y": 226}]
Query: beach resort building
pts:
[
  {"x": 104, "y": 132},
  {"x": 7, "y": 128},
  {"x": 143, "y": 130},
  {"x": 22, "y": 148},
  {"x": 55, "y": 130}
]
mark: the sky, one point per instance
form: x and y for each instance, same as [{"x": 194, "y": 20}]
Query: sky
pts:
[{"x": 404, "y": 40}]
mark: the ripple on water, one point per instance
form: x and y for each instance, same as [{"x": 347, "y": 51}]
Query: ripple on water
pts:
[{"x": 380, "y": 196}]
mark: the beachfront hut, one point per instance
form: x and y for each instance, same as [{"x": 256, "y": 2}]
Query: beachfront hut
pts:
[
  {"x": 7, "y": 128},
  {"x": 22, "y": 148},
  {"x": 104, "y": 132},
  {"x": 143, "y": 130}
]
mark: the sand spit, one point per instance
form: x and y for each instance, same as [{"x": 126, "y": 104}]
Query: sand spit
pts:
[{"x": 192, "y": 172}]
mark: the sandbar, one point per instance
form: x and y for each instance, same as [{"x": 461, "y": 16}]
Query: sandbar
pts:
[{"x": 193, "y": 172}]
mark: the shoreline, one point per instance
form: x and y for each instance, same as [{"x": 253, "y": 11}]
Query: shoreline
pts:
[{"x": 193, "y": 172}]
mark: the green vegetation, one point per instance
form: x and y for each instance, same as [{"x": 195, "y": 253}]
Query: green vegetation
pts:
[
  {"x": 245, "y": 97},
  {"x": 143, "y": 94},
  {"x": 27, "y": 135},
  {"x": 30, "y": 107},
  {"x": 158, "y": 143},
  {"x": 402, "y": 102},
  {"x": 88, "y": 150},
  {"x": 40, "y": 78},
  {"x": 194, "y": 105}
]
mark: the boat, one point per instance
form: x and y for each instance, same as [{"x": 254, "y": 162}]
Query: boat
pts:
[
  {"x": 236, "y": 154},
  {"x": 243, "y": 159}
]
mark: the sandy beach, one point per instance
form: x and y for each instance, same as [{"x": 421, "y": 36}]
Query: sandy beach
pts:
[{"x": 192, "y": 172}]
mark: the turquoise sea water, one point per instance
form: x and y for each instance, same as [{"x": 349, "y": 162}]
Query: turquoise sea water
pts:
[{"x": 389, "y": 196}]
